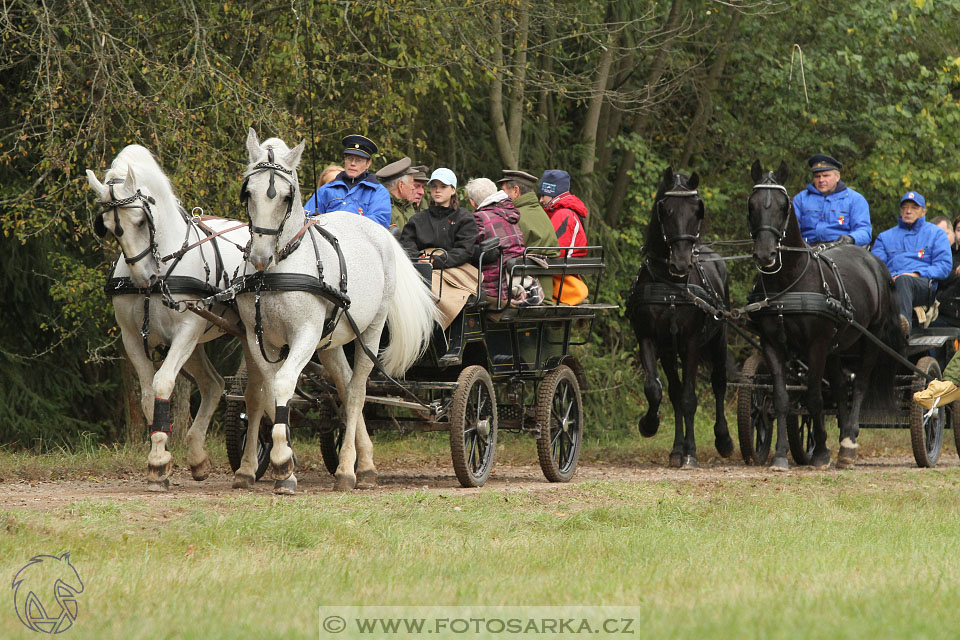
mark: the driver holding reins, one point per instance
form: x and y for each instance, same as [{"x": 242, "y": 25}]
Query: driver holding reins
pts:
[{"x": 828, "y": 210}]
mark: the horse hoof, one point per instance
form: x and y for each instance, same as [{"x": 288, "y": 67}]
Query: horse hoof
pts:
[
  {"x": 159, "y": 473},
  {"x": 345, "y": 483},
  {"x": 847, "y": 458},
  {"x": 281, "y": 471},
  {"x": 649, "y": 425},
  {"x": 202, "y": 471},
  {"x": 820, "y": 460},
  {"x": 367, "y": 479},
  {"x": 725, "y": 446},
  {"x": 676, "y": 460},
  {"x": 780, "y": 464},
  {"x": 243, "y": 481},
  {"x": 159, "y": 487},
  {"x": 286, "y": 487},
  {"x": 690, "y": 462}
]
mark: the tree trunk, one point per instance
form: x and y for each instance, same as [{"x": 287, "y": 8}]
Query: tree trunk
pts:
[
  {"x": 517, "y": 92},
  {"x": 713, "y": 80},
  {"x": 180, "y": 409},
  {"x": 497, "y": 122},
  {"x": 619, "y": 191},
  {"x": 135, "y": 429},
  {"x": 588, "y": 135}
]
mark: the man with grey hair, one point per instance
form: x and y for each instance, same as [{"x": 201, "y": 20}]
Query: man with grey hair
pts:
[
  {"x": 496, "y": 217},
  {"x": 398, "y": 179}
]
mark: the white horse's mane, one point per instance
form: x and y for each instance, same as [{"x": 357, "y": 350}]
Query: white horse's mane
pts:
[{"x": 147, "y": 173}]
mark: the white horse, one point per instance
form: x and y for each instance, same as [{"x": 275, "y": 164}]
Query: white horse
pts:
[
  {"x": 142, "y": 212},
  {"x": 382, "y": 286}
]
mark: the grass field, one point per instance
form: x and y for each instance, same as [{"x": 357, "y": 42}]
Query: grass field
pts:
[{"x": 870, "y": 553}]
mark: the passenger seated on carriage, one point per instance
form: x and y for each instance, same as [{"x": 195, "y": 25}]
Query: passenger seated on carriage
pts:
[
  {"x": 355, "y": 189},
  {"x": 497, "y": 219},
  {"x": 948, "y": 292},
  {"x": 567, "y": 214},
  {"x": 445, "y": 236},
  {"x": 917, "y": 255}
]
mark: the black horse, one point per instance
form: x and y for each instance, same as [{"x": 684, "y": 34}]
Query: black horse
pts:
[
  {"x": 809, "y": 296},
  {"x": 670, "y": 308}
]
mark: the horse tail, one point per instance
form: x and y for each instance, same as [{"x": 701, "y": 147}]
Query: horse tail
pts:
[
  {"x": 881, "y": 390},
  {"x": 411, "y": 316}
]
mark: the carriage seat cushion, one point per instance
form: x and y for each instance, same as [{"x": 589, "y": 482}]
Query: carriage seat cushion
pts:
[{"x": 926, "y": 315}]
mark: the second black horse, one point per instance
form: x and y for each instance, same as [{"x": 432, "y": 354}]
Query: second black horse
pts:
[{"x": 669, "y": 307}]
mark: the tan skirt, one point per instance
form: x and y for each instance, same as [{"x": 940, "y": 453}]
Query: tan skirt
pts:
[{"x": 453, "y": 287}]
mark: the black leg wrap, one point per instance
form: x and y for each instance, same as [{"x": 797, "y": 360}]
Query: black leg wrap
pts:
[
  {"x": 161, "y": 416},
  {"x": 282, "y": 415}
]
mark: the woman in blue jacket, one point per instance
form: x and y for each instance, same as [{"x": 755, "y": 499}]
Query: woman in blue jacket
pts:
[{"x": 356, "y": 189}]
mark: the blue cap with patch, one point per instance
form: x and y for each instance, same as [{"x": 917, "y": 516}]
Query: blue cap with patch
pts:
[
  {"x": 914, "y": 197},
  {"x": 357, "y": 145}
]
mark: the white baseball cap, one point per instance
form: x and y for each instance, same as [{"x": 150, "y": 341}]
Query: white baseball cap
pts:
[{"x": 445, "y": 176}]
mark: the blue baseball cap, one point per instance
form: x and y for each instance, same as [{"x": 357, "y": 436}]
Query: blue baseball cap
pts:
[
  {"x": 554, "y": 182},
  {"x": 914, "y": 197},
  {"x": 445, "y": 176}
]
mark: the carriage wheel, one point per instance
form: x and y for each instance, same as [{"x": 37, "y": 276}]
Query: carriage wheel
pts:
[
  {"x": 473, "y": 426},
  {"x": 800, "y": 436},
  {"x": 235, "y": 428},
  {"x": 755, "y": 413},
  {"x": 926, "y": 434},
  {"x": 331, "y": 438},
  {"x": 560, "y": 416}
]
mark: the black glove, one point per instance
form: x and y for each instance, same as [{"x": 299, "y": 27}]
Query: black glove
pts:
[{"x": 845, "y": 240}]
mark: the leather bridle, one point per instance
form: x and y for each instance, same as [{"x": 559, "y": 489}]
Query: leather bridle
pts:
[
  {"x": 273, "y": 168},
  {"x": 115, "y": 204},
  {"x": 768, "y": 186}
]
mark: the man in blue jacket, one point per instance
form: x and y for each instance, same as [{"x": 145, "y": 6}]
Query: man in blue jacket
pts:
[
  {"x": 828, "y": 210},
  {"x": 356, "y": 189},
  {"x": 916, "y": 253}
]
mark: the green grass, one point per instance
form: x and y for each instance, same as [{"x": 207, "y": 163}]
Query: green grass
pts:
[{"x": 855, "y": 555}]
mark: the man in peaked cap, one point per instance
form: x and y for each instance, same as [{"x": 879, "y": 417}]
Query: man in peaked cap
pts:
[
  {"x": 828, "y": 210},
  {"x": 420, "y": 185},
  {"x": 397, "y": 179},
  {"x": 917, "y": 254},
  {"x": 536, "y": 226},
  {"x": 356, "y": 189}
]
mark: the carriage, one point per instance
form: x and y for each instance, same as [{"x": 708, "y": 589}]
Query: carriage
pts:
[
  {"x": 928, "y": 349},
  {"x": 495, "y": 368}
]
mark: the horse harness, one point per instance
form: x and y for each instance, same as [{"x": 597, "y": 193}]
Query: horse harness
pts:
[
  {"x": 265, "y": 281},
  {"x": 167, "y": 284}
]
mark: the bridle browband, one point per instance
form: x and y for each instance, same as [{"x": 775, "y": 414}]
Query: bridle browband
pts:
[
  {"x": 272, "y": 167},
  {"x": 115, "y": 204}
]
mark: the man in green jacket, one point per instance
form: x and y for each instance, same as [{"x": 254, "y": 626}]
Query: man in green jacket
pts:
[
  {"x": 534, "y": 222},
  {"x": 397, "y": 177}
]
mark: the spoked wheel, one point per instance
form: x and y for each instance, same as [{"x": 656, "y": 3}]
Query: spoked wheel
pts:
[
  {"x": 755, "y": 413},
  {"x": 473, "y": 426},
  {"x": 560, "y": 416},
  {"x": 926, "y": 432},
  {"x": 235, "y": 428},
  {"x": 800, "y": 436}
]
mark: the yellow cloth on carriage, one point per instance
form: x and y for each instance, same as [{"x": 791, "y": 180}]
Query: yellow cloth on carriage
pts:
[{"x": 945, "y": 390}]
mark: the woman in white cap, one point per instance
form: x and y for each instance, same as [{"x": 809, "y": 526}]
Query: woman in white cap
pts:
[{"x": 444, "y": 235}]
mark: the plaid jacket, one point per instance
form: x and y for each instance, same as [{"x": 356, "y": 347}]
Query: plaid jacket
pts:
[{"x": 498, "y": 220}]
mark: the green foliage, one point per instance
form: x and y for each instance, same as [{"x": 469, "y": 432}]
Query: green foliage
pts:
[{"x": 81, "y": 80}]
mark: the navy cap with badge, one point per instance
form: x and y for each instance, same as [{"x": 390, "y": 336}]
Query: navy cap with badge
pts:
[
  {"x": 823, "y": 162},
  {"x": 554, "y": 182},
  {"x": 357, "y": 145}
]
